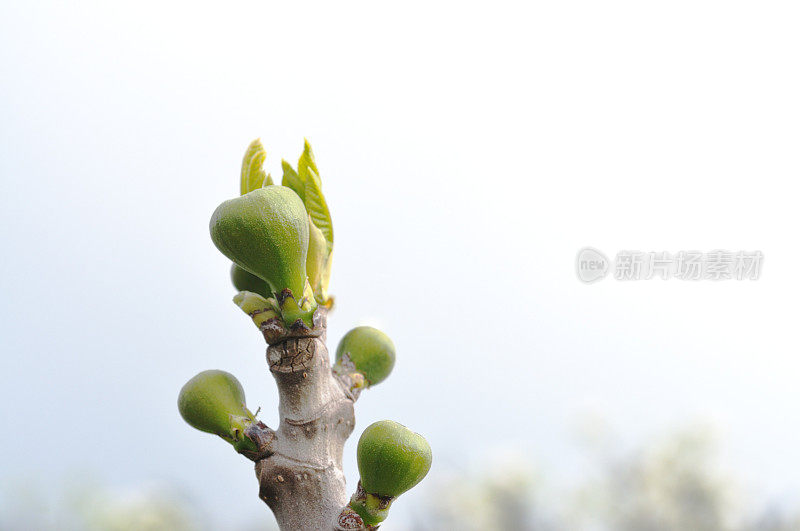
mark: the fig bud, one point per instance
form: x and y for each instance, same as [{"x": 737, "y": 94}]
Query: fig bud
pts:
[
  {"x": 368, "y": 351},
  {"x": 243, "y": 280},
  {"x": 213, "y": 402},
  {"x": 265, "y": 232},
  {"x": 391, "y": 458}
]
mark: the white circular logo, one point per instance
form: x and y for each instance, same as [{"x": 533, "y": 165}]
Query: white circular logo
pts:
[{"x": 591, "y": 265}]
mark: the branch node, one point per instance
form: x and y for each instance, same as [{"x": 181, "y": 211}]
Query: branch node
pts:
[
  {"x": 264, "y": 439},
  {"x": 349, "y": 520}
]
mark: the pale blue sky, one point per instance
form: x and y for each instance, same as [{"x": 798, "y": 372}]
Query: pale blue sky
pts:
[{"x": 467, "y": 153}]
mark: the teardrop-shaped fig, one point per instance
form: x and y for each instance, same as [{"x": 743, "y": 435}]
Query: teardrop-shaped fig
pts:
[
  {"x": 213, "y": 402},
  {"x": 371, "y": 352},
  {"x": 391, "y": 458},
  {"x": 265, "y": 232}
]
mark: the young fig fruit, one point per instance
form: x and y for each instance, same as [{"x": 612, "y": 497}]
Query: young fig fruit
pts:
[
  {"x": 370, "y": 352},
  {"x": 213, "y": 402},
  {"x": 243, "y": 280},
  {"x": 265, "y": 232},
  {"x": 391, "y": 460}
]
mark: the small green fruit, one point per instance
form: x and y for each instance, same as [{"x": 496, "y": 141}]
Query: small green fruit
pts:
[
  {"x": 265, "y": 232},
  {"x": 370, "y": 350},
  {"x": 243, "y": 280},
  {"x": 213, "y": 402},
  {"x": 392, "y": 458}
]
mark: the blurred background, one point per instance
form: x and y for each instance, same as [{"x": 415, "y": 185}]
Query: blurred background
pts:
[{"x": 468, "y": 151}]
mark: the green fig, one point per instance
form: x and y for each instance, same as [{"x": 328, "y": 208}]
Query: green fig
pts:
[
  {"x": 213, "y": 402},
  {"x": 243, "y": 280},
  {"x": 392, "y": 458},
  {"x": 265, "y": 232},
  {"x": 370, "y": 351}
]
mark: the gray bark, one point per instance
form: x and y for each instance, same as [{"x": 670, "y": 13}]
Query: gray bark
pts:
[{"x": 301, "y": 477}]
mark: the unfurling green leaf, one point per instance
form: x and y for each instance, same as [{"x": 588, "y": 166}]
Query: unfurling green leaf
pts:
[
  {"x": 257, "y": 307},
  {"x": 307, "y": 184},
  {"x": 318, "y": 262},
  {"x": 306, "y": 162},
  {"x": 292, "y": 180},
  {"x": 296, "y": 180},
  {"x": 253, "y": 175},
  {"x": 317, "y": 207}
]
